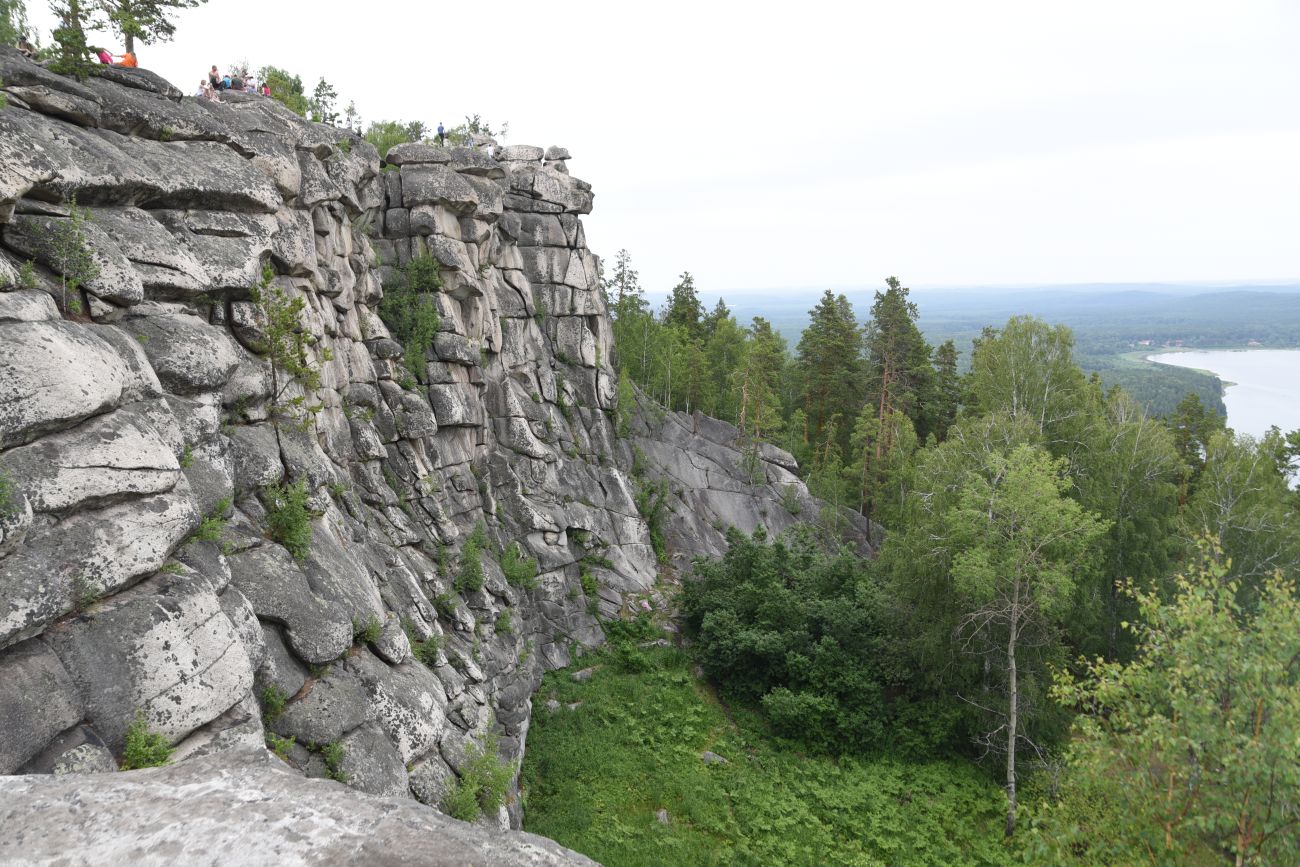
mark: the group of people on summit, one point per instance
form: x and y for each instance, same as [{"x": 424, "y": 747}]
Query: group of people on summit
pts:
[
  {"x": 127, "y": 60},
  {"x": 237, "y": 80}
]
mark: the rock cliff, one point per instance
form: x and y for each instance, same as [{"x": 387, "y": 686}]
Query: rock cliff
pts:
[{"x": 146, "y": 440}]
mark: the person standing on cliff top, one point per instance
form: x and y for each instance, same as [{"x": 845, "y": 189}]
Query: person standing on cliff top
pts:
[{"x": 442, "y": 141}]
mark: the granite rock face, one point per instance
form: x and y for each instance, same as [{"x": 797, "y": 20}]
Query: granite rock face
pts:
[{"x": 142, "y": 432}]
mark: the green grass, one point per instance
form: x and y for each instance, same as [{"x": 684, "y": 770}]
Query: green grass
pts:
[{"x": 594, "y": 779}]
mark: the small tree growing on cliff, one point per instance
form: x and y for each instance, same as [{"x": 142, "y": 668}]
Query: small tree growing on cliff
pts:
[
  {"x": 147, "y": 20},
  {"x": 409, "y": 310},
  {"x": 68, "y": 253},
  {"x": 288, "y": 347},
  {"x": 322, "y": 103}
]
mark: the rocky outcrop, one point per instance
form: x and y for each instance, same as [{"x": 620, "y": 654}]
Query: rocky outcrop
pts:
[
  {"x": 240, "y": 808},
  {"x": 144, "y": 433},
  {"x": 713, "y": 480}
]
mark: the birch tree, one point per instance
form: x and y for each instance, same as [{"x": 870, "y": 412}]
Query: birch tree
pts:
[{"x": 1020, "y": 545}]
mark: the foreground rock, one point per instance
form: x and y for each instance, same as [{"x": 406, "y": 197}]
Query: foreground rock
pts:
[{"x": 240, "y": 807}]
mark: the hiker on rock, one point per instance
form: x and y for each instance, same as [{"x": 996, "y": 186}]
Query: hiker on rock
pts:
[
  {"x": 128, "y": 60},
  {"x": 442, "y": 141},
  {"x": 26, "y": 48}
]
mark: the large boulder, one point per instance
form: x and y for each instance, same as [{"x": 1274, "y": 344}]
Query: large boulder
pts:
[
  {"x": 109, "y": 457},
  {"x": 68, "y": 565},
  {"x": 37, "y": 701},
  {"x": 188, "y": 354},
  {"x": 165, "y": 652},
  {"x": 242, "y": 808},
  {"x": 53, "y": 374}
]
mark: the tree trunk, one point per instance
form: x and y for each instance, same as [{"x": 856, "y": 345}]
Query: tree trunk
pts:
[{"x": 1013, "y": 708}]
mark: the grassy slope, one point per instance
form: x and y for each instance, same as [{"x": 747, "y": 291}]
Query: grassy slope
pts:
[{"x": 596, "y": 776}]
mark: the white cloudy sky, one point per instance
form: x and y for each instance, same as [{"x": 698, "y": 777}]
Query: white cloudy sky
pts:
[{"x": 812, "y": 144}]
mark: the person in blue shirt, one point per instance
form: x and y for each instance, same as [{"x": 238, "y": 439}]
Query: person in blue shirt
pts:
[{"x": 442, "y": 141}]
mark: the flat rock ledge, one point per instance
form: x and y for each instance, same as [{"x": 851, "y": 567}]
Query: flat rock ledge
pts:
[{"x": 240, "y": 807}]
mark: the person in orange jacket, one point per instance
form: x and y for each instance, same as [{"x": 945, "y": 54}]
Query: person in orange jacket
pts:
[{"x": 128, "y": 60}]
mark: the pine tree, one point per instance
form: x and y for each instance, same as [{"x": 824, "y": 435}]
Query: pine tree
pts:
[
  {"x": 719, "y": 314},
  {"x": 149, "y": 21},
  {"x": 623, "y": 288},
  {"x": 947, "y": 390},
  {"x": 1193, "y": 423},
  {"x": 322, "y": 103},
  {"x": 724, "y": 352},
  {"x": 71, "y": 53},
  {"x": 899, "y": 373},
  {"x": 352, "y": 117},
  {"x": 830, "y": 367},
  {"x": 684, "y": 309},
  {"x": 756, "y": 382}
]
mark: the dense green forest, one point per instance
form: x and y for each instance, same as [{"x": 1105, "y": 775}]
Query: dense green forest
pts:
[{"x": 1092, "y": 606}]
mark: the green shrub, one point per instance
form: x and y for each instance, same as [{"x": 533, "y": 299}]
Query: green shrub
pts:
[
  {"x": 479, "y": 536},
  {"x": 651, "y": 500},
  {"x": 410, "y": 312},
  {"x": 598, "y": 561},
  {"x": 27, "y": 276},
  {"x": 280, "y": 746},
  {"x": 505, "y": 624},
  {"x": 790, "y": 499},
  {"x": 368, "y": 632},
  {"x": 425, "y": 651},
  {"x": 383, "y": 134},
  {"x": 286, "y": 88},
  {"x": 812, "y": 639},
  {"x": 520, "y": 571},
  {"x": 210, "y": 527},
  {"x": 144, "y": 749},
  {"x": 590, "y": 587},
  {"x": 273, "y": 702},
  {"x": 469, "y": 578},
  {"x": 287, "y": 519},
  {"x": 482, "y": 785},
  {"x": 333, "y": 754}
]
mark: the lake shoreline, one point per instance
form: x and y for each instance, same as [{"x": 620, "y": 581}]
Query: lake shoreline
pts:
[{"x": 1261, "y": 385}]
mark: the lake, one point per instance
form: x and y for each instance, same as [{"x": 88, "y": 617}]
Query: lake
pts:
[{"x": 1263, "y": 385}]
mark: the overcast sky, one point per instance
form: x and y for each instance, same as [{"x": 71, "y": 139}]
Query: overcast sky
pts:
[{"x": 814, "y": 144}]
